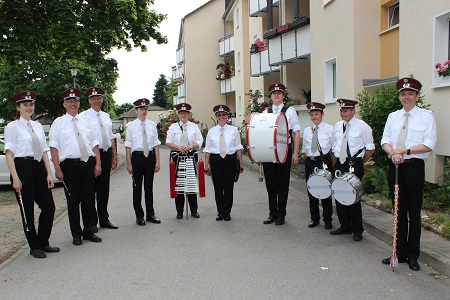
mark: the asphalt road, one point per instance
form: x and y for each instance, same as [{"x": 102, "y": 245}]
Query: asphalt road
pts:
[{"x": 206, "y": 259}]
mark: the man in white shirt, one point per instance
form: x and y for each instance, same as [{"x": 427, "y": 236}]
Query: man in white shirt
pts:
[
  {"x": 76, "y": 157},
  {"x": 408, "y": 138},
  {"x": 101, "y": 121},
  {"x": 278, "y": 175}
]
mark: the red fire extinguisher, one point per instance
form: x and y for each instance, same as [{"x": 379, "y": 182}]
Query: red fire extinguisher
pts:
[
  {"x": 201, "y": 178},
  {"x": 172, "y": 178}
]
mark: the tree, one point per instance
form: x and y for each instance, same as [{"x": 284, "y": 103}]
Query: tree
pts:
[
  {"x": 159, "y": 94},
  {"x": 171, "y": 91},
  {"x": 61, "y": 34},
  {"x": 123, "y": 108}
]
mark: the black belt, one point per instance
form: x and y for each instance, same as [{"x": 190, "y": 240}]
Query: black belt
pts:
[
  {"x": 413, "y": 160},
  {"x": 72, "y": 159},
  {"x": 318, "y": 157},
  {"x": 25, "y": 158},
  {"x": 110, "y": 148},
  {"x": 354, "y": 159},
  {"x": 142, "y": 152},
  {"x": 216, "y": 154}
]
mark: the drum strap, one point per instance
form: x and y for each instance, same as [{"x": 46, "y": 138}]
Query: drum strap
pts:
[
  {"x": 318, "y": 146},
  {"x": 356, "y": 154}
]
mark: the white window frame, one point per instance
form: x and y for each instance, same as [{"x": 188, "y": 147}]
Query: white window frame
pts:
[
  {"x": 391, "y": 14},
  {"x": 239, "y": 109},
  {"x": 238, "y": 61},
  {"x": 325, "y": 2},
  {"x": 330, "y": 80},
  {"x": 237, "y": 15},
  {"x": 441, "y": 47}
]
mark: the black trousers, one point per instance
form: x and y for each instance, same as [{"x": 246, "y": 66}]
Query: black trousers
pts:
[
  {"x": 79, "y": 179},
  {"x": 223, "y": 172},
  {"x": 143, "y": 172},
  {"x": 102, "y": 188},
  {"x": 277, "y": 185},
  {"x": 350, "y": 217},
  {"x": 192, "y": 198},
  {"x": 33, "y": 176},
  {"x": 327, "y": 204},
  {"x": 411, "y": 180}
]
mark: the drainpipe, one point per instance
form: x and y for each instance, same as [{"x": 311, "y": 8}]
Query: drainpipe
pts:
[
  {"x": 296, "y": 9},
  {"x": 269, "y": 14}
]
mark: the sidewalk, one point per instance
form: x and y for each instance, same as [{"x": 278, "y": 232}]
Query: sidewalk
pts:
[{"x": 435, "y": 250}]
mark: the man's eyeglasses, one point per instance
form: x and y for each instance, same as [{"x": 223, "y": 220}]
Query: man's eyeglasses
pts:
[
  {"x": 73, "y": 100},
  {"x": 222, "y": 115}
]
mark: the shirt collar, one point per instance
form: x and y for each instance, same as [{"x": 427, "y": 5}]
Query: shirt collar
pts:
[{"x": 23, "y": 121}]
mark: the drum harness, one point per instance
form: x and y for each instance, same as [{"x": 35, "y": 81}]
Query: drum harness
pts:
[
  {"x": 351, "y": 158},
  {"x": 324, "y": 166}
]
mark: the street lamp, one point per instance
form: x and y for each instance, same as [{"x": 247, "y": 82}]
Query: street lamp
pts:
[{"x": 74, "y": 76}]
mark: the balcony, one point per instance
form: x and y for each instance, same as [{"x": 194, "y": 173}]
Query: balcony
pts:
[
  {"x": 182, "y": 91},
  {"x": 176, "y": 100},
  {"x": 286, "y": 47},
  {"x": 228, "y": 85},
  {"x": 180, "y": 55},
  {"x": 257, "y": 8},
  {"x": 177, "y": 73},
  {"x": 226, "y": 45},
  {"x": 259, "y": 64}
]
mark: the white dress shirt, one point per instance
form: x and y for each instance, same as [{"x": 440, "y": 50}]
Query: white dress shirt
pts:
[
  {"x": 359, "y": 137},
  {"x": 232, "y": 140},
  {"x": 63, "y": 137},
  {"x": 134, "y": 138},
  {"x": 18, "y": 138},
  {"x": 107, "y": 123},
  {"x": 291, "y": 116},
  {"x": 325, "y": 138},
  {"x": 175, "y": 133},
  {"x": 421, "y": 130}
]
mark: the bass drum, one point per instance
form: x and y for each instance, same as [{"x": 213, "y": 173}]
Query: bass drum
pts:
[
  {"x": 347, "y": 189},
  {"x": 319, "y": 183},
  {"x": 267, "y": 137}
]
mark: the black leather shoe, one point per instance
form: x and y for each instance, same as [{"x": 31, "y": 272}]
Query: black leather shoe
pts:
[
  {"x": 140, "y": 222},
  {"x": 179, "y": 216},
  {"x": 93, "y": 238},
  {"x": 279, "y": 221},
  {"x": 328, "y": 225},
  {"x": 340, "y": 230},
  {"x": 153, "y": 219},
  {"x": 227, "y": 218},
  {"x": 108, "y": 225},
  {"x": 77, "y": 241},
  {"x": 38, "y": 253},
  {"x": 357, "y": 237},
  {"x": 313, "y": 223},
  {"x": 50, "y": 249},
  {"x": 195, "y": 215},
  {"x": 219, "y": 217},
  {"x": 413, "y": 264},
  {"x": 95, "y": 229},
  {"x": 387, "y": 261},
  {"x": 270, "y": 220}
]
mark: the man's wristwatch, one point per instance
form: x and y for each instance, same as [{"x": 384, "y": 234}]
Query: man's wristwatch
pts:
[{"x": 408, "y": 151}]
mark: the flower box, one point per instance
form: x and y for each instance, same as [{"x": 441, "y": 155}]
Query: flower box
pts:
[
  {"x": 300, "y": 22},
  {"x": 284, "y": 28},
  {"x": 270, "y": 33}
]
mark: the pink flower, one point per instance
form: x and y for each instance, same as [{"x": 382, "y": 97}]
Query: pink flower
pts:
[
  {"x": 438, "y": 65},
  {"x": 256, "y": 91},
  {"x": 444, "y": 69},
  {"x": 446, "y": 62},
  {"x": 250, "y": 90}
]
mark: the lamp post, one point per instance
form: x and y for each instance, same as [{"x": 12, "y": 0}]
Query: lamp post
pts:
[{"x": 74, "y": 72}]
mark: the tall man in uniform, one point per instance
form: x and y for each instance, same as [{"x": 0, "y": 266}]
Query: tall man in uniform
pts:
[
  {"x": 408, "y": 138},
  {"x": 76, "y": 157},
  {"x": 353, "y": 146},
  {"x": 278, "y": 175},
  {"x": 102, "y": 123}
]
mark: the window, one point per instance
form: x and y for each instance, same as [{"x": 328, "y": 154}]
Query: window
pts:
[
  {"x": 237, "y": 18},
  {"x": 394, "y": 16},
  {"x": 441, "y": 46},
  {"x": 330, "y": 82},
  {"x": 238, "y": 63},
  {"x": 239, "y": 110}
]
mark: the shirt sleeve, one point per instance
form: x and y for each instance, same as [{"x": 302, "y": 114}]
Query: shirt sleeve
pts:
[
  {"x": 368, "y": 137},
  {"x": 386, "y": 138},
  {"x": 237, "y": 138},
  {"x": 208, "y": 142},
  {"x": 10, "y": 141},
  {"x": 170, "y": 135},
  {"x": 430, "y": 132},
  {"x": 53, "y": 134},
  {"x": 128, "y": 136}
]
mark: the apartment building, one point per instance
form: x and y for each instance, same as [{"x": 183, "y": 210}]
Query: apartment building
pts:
[{"x": 331, "y": 49}]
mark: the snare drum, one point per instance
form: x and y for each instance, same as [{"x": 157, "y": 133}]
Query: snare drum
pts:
[
  {"x": 347, "y": 189},
  {"x": 267, "y": 137},
  {"x": 319, "y": 183}
]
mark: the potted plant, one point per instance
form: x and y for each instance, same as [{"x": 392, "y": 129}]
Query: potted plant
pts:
[
  {"x": 284, "y": 28},
  {"x": 300, "y": 21},
  {"x": 270, "y": 33},
  {"x": 443, "y": 69}
]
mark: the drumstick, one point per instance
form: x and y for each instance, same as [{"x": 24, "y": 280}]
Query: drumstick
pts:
[
  {"x": 65, "y": 186},
  {"x": 260, "y": 179},
  {"x": 394, "y": 258},
  {"x": 22, "y": 213}
]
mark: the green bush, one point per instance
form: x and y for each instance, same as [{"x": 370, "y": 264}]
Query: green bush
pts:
[{"x": 376, "y": 182}]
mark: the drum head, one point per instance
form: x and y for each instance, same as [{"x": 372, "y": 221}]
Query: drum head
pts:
[
  {"x": 281, "y": 136},
  {"x": 319, "y": 187},
  {"x": 343, "y": 192}
]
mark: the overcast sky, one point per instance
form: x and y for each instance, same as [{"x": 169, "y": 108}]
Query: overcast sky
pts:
[{"x": 139, "y": 71}]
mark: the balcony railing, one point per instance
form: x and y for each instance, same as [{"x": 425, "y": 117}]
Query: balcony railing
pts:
[
  {"x": 182, "y": 90},
  {"x": 294, "y": 44},
  {"x": 257, "y": 7},
  {"x": 226, "y": 45},
  {"x": 177, "y": 73},
  {"x": 180, "y": 55},
  {"x": 228, "y": 85},
  {"x": 259, "y": 64}
]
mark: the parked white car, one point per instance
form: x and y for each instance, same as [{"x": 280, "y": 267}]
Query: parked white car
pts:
[{"x": 4, "y": 171}]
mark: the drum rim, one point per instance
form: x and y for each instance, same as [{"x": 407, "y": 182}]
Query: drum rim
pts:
[
  {"x": 247, "y": 138},
  {"x": 275, "y": 133}
]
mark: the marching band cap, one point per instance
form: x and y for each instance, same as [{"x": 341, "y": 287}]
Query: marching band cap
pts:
[
  {"x": 94, "y": 91},
  {"x": 143, "y": 102},
  {"x": 71, "y": 93},
  {"x": 347, "y": 103},
  {"x": 276, "y": 87},
  {"x": 25, "y": 96},
  {"x": 315, "y": 106},
  {"x": 221, "y": 108},
  {"x": 183, "y": 107},
  {"x": 407, "y": 83}
]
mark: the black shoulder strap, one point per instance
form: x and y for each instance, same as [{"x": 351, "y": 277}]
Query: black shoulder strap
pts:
[{"x": 269, "y": 110}]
